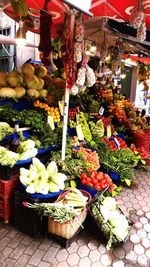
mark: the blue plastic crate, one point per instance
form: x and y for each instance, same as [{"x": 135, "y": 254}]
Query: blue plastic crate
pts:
[
  {"x": 114, "y": 176},
  {"x": 91, "y": 190}
]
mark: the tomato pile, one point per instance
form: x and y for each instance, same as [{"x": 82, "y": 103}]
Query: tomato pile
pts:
[
  {"x": 97, "y": 180},
  {"x": 72, "y": 113},
  {"x": 112, "y": 144}
]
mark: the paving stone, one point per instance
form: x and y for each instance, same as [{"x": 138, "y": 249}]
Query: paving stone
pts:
[
  {"x": 139, "y": 250},
  {"x": 83, "y": 251},
  {"x": 143, "y": 220},
  {"x": 85, "y": 262},
  {"x": 45, "y": 244},
  {"x": 147, "y": 227},
  {"x": 18, "y": 252},
  {"x": 27, "y": 240},
  {"x": 50, "y": 254},
  {"x": 106, "y": 260},
  {"x": 16, "y": 240},
  {"x": 73, "y": 259},
  {"x": 145, "y": 242},
  {"x": 36, "y": 257},
  {"x": 138, "y": 225},
  {"x": 141, "y": 233},
  {"x": 46, "y": 264},
  {"x": 3, "y": 232},
  {"x": 119, "y": 252},
  {"x": 32, "y": 247},
  {"x": 93, "y": 244},
  {"x": 73, "y": 248},
  {"x": 62, "y": 255},
  {"x": 128, "y": 245},
  {"x": 4, "y": 242},
  {"x": 143, "y": 261},
  {"x": 145, "y": 208},
  {"x": 147, "y": 253},
  {"x": 61, "y": 264},
  {"x": 94, "y": 255},
  {"x": 102, "y": 249},
  {"x": 96, "y": 264},
  {"x": 147, "y": 215},
  {"x": 135, "y": 238},
  {"x": 9, "y": 263},
  {"x": 82, "y": 241},
  {"x": 12, "y": 233},
  {"x": 131, "y": 257},
  {"x": 118, "y": 263},
  {"x": 22, "y": 261},
  {"x": 5, "y": 254},
  {"x": 139, "y": 197}
]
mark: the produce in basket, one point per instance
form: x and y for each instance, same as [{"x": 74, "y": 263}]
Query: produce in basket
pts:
[
  {"x": 111, "y": 220},
  {"x": 42, "y": 180},
  {"x": 67, "y": 214}
]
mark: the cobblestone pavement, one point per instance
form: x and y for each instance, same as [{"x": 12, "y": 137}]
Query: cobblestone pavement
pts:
[{"x": 87, "y": 249}]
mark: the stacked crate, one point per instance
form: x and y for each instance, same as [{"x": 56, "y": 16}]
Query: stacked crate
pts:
[{"x": 7, "y": 193}]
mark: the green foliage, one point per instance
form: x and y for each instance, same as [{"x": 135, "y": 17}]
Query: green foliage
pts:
[{"x": 19, "y": 7}]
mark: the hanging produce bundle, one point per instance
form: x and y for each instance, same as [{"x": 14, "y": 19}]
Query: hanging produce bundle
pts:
[
  {"x": 137, "y": 21},
  {"x": 79, "y": 41}
]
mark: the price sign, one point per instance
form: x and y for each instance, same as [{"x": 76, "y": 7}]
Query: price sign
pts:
[
  {"x": 50, "y": 121},
  {"x": 117, "y": 142},
  {"x": 101, "y": 111},
  {"x": 108, "y": 131},
  {"x": 79, "y": 133}
]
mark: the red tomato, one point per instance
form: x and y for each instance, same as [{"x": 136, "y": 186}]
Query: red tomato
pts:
[
  {"x": 83, "y": 181},
  {"x": 99, "y": 176},
  {"x": 94, "y": 181},
  {"x": 97, "y": 187},
  {"x": 83, "y": 175},
  {"x": 92, "y": 175}
]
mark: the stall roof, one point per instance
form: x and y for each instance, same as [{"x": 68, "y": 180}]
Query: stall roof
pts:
[{"x": 113, "y": 9}]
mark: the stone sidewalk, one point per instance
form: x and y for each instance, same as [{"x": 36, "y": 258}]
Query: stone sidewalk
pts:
[{"x": 88, "y": 249}]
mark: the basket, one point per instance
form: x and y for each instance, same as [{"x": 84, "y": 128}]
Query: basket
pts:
[
  {"x": 105, "y": 227},
  {"x": 69, "y": 228}
]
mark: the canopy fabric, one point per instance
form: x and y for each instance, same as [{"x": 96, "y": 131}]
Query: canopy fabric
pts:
[{"x": 118, "y": 10}]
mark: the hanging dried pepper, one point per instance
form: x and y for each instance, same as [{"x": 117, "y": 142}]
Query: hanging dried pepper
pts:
[
  {"x": 68, "y": 55},
  {"x": 45, "y": 46}
]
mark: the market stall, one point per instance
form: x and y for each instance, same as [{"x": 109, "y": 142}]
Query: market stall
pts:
[{"x": 103, "y": 142}]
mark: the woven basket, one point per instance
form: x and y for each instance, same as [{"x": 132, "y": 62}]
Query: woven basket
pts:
[{"x": 69, "y": 228}]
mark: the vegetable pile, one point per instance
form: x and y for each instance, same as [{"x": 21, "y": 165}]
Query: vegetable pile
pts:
[
  {"x": 42, "y": 180},
  {"x": 111, "y": 221},
  {"x": 97, "y": 180}
]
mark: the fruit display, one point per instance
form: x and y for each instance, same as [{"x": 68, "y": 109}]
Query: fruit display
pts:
[
  {"x": 41, "y": 179},
  {"x": 115, "y": 143},
  {"x": 106, "y": 94},
  {"x": 81, "y": 120},
  {"x": 72, "y": 124},
  {"x": 97, "y": 180},
  {"x": 97, "y": 128},
  {"x": 72, "y": 113},
  {"x": 52, "y": 111}
]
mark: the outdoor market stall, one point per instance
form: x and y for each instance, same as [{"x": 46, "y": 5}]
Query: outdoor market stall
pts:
[{"x": 97, "y": 156}]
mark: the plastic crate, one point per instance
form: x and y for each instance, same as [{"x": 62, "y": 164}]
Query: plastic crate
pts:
[
  {"x": 7, "y": 208},
  {"x": 7, "y": 188},
  {"x": 104, "y": 227},
  {"x": 27, "y": 220}
]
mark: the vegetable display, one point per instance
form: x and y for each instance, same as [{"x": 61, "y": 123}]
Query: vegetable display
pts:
[
  {"x": 5, "y": 130},
  {"x": 111, "y": 221},
  {"x": 41, "y": 179},
  {"x": 97, "y": 180}
]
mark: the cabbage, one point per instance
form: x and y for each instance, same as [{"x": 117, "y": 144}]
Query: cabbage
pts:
[
  {"x": 109, "y": 203},
  {"x": 43, "y": 188},
  {"x": 59, "y": 179},
  {"x": 28, "y": 154},
  {"x": 38, "y": 164},
  {"x": 53, "y": 187},
  {"x": 52, "y": 168},
  {"x": 30, "y": 189},
  {"x": 120, "y": 233},
  {"x": 26, "y": 145}
]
